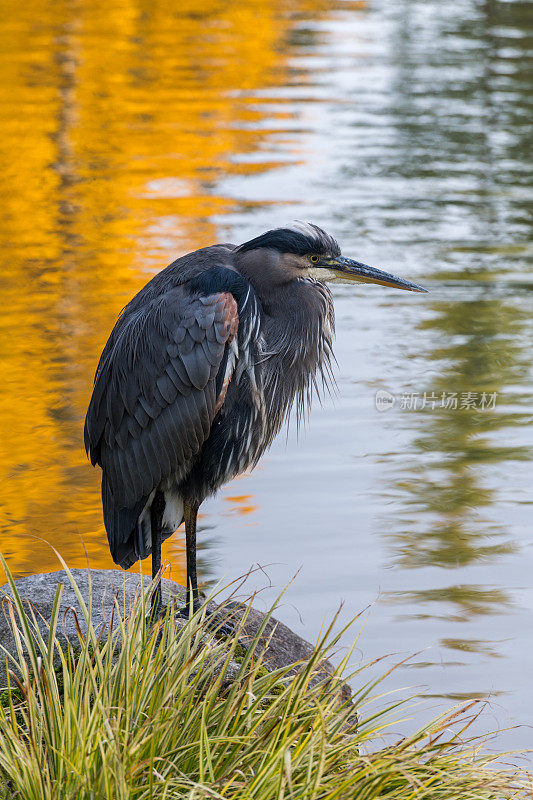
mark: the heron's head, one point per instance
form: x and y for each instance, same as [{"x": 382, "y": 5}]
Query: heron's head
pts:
[{"x": 302, "y": 250}]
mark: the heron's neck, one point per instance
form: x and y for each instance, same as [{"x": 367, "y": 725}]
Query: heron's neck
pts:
[
  {"x": 298, "y": 329},
  {"x": 298, "y": 317}
]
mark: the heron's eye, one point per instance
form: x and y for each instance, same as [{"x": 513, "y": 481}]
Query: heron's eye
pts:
[{"x": 315, "y": 259}]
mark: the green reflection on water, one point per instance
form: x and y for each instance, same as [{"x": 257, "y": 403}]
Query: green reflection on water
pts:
[
  {"x": 469, "y": 600},
  {"x": 478, "y": 345},
  {"x": 459, "y": 116}
]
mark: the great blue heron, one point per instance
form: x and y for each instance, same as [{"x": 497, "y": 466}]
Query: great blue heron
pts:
[{"x": 198, "y": 374}]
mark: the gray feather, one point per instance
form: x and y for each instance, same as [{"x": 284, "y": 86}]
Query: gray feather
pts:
[
  {"x": 153, "y": 404},
  {"x": 197, "y": 366}
]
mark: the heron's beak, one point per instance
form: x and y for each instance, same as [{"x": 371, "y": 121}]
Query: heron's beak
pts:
[{"x": 352, "y": 270}]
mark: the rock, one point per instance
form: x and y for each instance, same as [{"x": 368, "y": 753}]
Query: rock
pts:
[
  {"x": 39, "y": 590},
  {"x": 283, "y": 647}
]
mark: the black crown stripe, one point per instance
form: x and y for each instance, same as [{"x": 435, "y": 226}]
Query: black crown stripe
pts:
[{"x": 285, "y": 240}]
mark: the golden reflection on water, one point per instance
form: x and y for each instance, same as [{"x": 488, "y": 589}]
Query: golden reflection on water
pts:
[{"x": 117, "y": 120}]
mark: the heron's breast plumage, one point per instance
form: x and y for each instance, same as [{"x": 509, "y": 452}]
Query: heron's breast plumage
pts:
[
  {"x": 237, "y": 433},
  {"x": 282, "y": 358},
  {"x": 299, "y": 353}
]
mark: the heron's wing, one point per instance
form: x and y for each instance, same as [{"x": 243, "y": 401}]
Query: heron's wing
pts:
[{"x": 156, "y": 390}]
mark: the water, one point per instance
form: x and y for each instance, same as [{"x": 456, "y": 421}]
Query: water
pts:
[{"x": 132, "y": 133}]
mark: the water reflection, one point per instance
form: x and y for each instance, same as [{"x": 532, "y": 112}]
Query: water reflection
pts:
[
  {"x": 480, "y": 352},
  {"x": 468, "y": 600},
  {"x": 117, "y": 122},
  {"x": 461, "y": 139},
  {"x": 132, "y": 132}
]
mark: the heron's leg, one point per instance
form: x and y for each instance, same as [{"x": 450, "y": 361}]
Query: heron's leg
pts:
[
  {"x": 190, "y": 514},
  {"x": 222, "y": 627},
  {"x": 156, "y": 521}
]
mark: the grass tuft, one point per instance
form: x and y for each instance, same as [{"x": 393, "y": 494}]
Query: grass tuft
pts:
[{"x": 139, "y": 713}]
